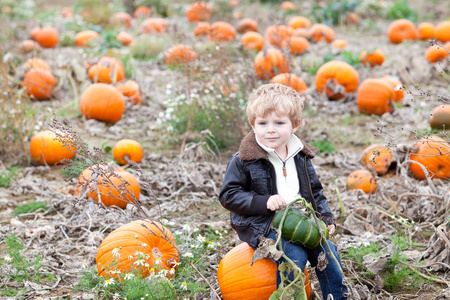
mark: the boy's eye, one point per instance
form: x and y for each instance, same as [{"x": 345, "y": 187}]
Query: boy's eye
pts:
[
  {"x": 280, "y": 123},
  {"x": 262, "y": 123}
]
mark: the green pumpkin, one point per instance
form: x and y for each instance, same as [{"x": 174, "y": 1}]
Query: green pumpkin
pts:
[{"x": 300, "y": 228}]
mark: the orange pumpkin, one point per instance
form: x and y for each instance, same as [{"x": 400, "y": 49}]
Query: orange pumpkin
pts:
[
  {"x": 374, "y": 96},
  {"x": 102, "y": 102},
  {"x": 82, "y": 38},
  {"x": 402, "y": 29},
  {"x": 46, "y": 37},
  {"x": 336, "y": 79},
  {"x": 39, "y": 83},
  {"x": 179, "y": 55},
  {"x": 238, "y": 279},
  {"x": 290, "y": 80},
  {"x": 130, "y": 149},
  {"x": 252, "y": 40},
  {"x": 67, "y": 12},
  {"x": 378, "y": 158},
  {"x": 130, "y": 89},
  {"x": 288, "y": 6},
  {"x": 373, "y": 58},
  {"x": 276, "y": 35},
  {"x": 434, "y": 154},
  {"x": 37, "y": 63},
  {"x": 352, "y": 18},
  {"x": 270, "y": 62},
  {"x": 397, "y": 88},
  {"x": 440, "y": 117},
  {"x": 339, "y": 44},
  {"x": 321, "y": 32},
  {"x": 85, "y": 178},
  {"x": 299, "y": 22},
  {"x": 246, "y": 25},
  {"x": 28, "y": 45},
  {"x": 142, "y": 12},
  {"x": 297, "y": 44},
  {"x": 442, "y": 31},
  {"x": 121, "y": 18},
  {"x": 107, "y": 70},
  {"x": 151, "y": 25},
  {"x": 116, "y": 188},
  {"x": 222, "y": 32},
  {"x": 139, "y": 246},
  {"x": 45, "y": 149},
  {"x": 436, "y": 53},
  {"x": 125, "y": 38},
  {"x": 426, "y": 31},
  {"x": 362, "y": 180},
  {"x": 202, "y": 29},
  {"x": 198, "y": 11},
  {"x": 303, "y": 32}
]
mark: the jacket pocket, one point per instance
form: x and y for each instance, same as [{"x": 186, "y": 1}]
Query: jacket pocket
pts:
[{"x": 260, "y": 181}]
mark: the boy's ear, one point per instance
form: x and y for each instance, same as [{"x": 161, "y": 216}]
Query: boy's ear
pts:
[{"x": 296, "y": 126}]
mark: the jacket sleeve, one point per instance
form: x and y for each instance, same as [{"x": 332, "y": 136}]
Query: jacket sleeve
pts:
[
  {"x": 236, "y": 195},
  {"x": 321, "y": 201}
]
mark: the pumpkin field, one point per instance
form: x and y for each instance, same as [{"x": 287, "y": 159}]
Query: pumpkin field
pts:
[{"x": 118, "y": 118}]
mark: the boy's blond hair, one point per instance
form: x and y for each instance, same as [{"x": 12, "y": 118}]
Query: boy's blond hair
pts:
[{"x": 277, "y": 98}]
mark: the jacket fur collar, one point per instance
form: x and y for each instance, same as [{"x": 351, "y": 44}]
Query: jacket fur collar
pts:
[{"x": 250, "y": 150}]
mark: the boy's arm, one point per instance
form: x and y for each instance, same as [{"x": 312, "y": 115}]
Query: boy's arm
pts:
[
  {"x": 236, "y": 195},
  {"x": 321, "y": 200}
]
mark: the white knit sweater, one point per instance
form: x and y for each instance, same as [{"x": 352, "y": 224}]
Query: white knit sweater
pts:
[{"x": 287, "y": 186}]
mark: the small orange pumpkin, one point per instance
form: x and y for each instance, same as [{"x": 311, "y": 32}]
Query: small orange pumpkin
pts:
[
  {"x": 436, "y": 53},
  {"x": 151, "y": 25},
  {"x": 246, "y": 25},
  {"x": 401, "y": 30},
  {"x": 336, "y": 79},
  {"x": 142, "y": 12},
  {"x": 373, "y": 58},
  {"x": 374, "y": 96},
  {"x": 290, "y": 80},
  {"x": 238, "y": 279},
  {"x": 270, "y": 62},
  {"x": 339, "y": 44},
  {"x": 377, "y": 157},
  {"x": 82, "y": 38},
  {"x": 28, "y": 45},
  {"x": 440, "y": 117},
  {"x": 39, "y": 83},
  {"x": 46, "y": 37},
  {"x": 107, "y": 70},
  {"x": 222, "y": 32},
  {"x": 276, "y": 35},
  {"x": 130, "y": 89},
  {"x": 352, "y": 18},
  {"x": 102, "y": 102},
  {"x": 321, "y": 32},
  {"x": 45, "y": 149},
  {"x": 252, "y": 40},
  {"x": 85, "y": 178},
  {"x": 179, "y": 55},
  {"x": 125, "y": 38},
  {"x": 141, "y": 246},
  {"x": 434, "y": 154},
  {"x": 288, "y": 6},
  {"x": 426, "y": 31},
  {"x": 67, "y": 12},
  {"x": 442, "y": 31},
  {"x": 37, "y": 63},
  {"x": 362, "y": 180},
  {"x": 202, "y": 29},
  {"x": 299, "y": 22},
  {"x": 121, "y": 18},
  {"x": 130, "y": 149},
  {"x": 198, "y": 11},
  {"x": 297, "y": 44}
]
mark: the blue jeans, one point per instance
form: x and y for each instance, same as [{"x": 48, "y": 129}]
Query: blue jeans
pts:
[{"x": 330, "y": 279}]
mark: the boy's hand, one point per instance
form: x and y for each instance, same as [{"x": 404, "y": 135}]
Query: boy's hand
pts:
[
  {"x": 331, "y": 229},
  {"x": 275, "y": 202}
]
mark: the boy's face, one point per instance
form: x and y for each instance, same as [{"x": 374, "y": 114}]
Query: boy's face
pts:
[{"x": 274, "y": 131}]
